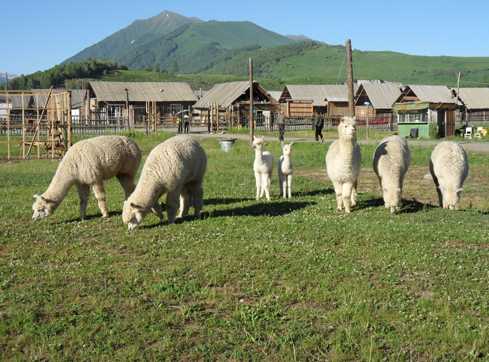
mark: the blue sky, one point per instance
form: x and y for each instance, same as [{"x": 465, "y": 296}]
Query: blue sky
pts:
[{"x": 39, "y": 34}]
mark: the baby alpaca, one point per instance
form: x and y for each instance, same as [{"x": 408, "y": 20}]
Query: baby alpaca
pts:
[
  {"x": 176, "y": 168},
  {"x": 285, "y": 171},
  {"x": 343, "y": 161},
  {"x": 449, "y": 168},
  {"x": 89, "y": 163},
  {"x": 262, "y": 167},
  {"x": 391, "y": 162}
]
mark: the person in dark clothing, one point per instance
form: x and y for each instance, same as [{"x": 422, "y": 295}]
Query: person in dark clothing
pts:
[
  {"x": 318, "y": 127},
  {"x": 281, "y": 127},
  {"x": 186, "y": 124},
  {"x": 179, "y": 123}
]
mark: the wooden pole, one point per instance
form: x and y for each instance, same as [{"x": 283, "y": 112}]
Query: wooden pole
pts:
[
  {"x": 458, "y": 97},
  {"x": 349, "y": 79},
  {"x": 69, "y": 119},
  {"x": 8, "y": 116},
  {"x": 38, "y": 138},
  {"x": 251, "y": 120},
  {"x": 39, "y": 122}
]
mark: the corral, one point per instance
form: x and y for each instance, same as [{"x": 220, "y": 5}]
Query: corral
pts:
[{"x": 249, "y": 280}]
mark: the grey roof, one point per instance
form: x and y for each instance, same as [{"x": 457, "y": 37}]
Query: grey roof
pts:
[
  {"x": 320, "y": 94},
  {"x": 474, "y": 98},
  {"x": 143, "y": 91},
  {"x": 382, "y": 95},
  {"x": 79, "y": 97},
  {"x": 225, "y": 94},
  {"x": 433, "y": 93},
  {"x": 275, "y": 94}
]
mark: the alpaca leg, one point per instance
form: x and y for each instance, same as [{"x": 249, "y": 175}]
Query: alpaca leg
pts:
[
  {"x": 184, "y": 203},
  {"x": 338, "y": 189},
  {"x": 263, "y": 184},
  {"x": 289, "y": 185},
  {"x": 266, "y": 181},
  {"x": 83, "y": 193},
  {"x": 284, "y": 187},
  {"x": 347, "y": 191},
  {"x": 99, "y": 192},
  {"x": 172, "y": 202},
  {"x": 158, "y": 211},
  {"x": 127, "y": 183},
  {"x": 354, "y": 194},
  {"x": 197, "y": 196},
  {"x": 281, "y": 183},
  {"x": 258, "y": 185}
]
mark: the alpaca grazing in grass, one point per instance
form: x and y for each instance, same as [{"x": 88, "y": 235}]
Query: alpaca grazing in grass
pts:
[
  {"x": 89, "y": 163},
  {"x": 176, "y": 168},
  {"x": 285, "y": 171},
  {"x": 343, "y": 161},
  {"x": 449, "y": 168},
  {"x": 391, "y": 163},
  {"x": 262, "y": 168}
]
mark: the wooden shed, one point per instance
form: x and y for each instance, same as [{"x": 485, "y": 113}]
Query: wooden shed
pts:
[
  {"x": 374, "y": 99},
  {"x": 426, "y": 111},
  {"x": 474, "y": 105}
]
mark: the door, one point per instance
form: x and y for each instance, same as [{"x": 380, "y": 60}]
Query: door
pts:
[{"x": 450, "y": 123}]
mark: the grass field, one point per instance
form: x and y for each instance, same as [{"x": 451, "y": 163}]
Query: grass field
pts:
[{"x": 283, "y": 280}]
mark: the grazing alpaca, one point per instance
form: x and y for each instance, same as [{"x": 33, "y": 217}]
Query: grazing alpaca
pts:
[
  {"x": 391, "y": 162},
  {"x": 176, "y": 168},
  {"x": 262, "y": 167},
  {"x": 449, "y": 167},
  {"x": 343, "y": 164},
  {"x": 88, "y": 164},
  {"x": 285, "y": 171}
]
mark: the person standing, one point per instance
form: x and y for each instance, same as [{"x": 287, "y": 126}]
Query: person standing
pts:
[
  {"x": 179, "y": 123},
  {"x": 281, "y": 127},
  {"x": 318, "y": 126},
  {"x": 186, "y": 123}
]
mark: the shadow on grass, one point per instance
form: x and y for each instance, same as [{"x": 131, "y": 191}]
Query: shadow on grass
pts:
[
  {"x": 408, "y": 206},
  {"x": 92, "y": 217},
  {"x": 273, "y": 208},
  {"x": 320, "y": 192},
  {"x": 224, "y": 201}
]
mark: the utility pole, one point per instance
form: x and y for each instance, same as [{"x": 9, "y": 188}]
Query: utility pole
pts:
[
  {"x": 251, "y": 120},
  {"x": 458, "y": 97},
  {"x": 349, "y": 78}
]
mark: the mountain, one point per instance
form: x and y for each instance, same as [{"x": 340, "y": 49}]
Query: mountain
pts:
[
  {"x": 299, "y": 37},
  {"x": 176, "y": 43}
]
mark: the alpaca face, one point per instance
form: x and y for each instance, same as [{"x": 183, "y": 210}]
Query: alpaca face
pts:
[
  {"x": 347, "y": 128},
  {"x": 41, "y": 208},
  {"x": 287, "y": 149},
  {"x": 451, "y": 198},
  {"x": 258, "y": 143},
  {"x": 132, "y": 215}
]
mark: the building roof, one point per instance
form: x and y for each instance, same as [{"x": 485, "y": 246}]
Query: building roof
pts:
[
  {"x": 320, "y": 94},
  {"x": 382, "y": 95},
  {"x": 433, "y": 93},
  {"x": 143, "y": 91},
  {"x": 225, "y": 94},
  {"x": 275, "y": 94},
  {"x": 79, "y": 97},
  {"x": 474, "y": 98}
]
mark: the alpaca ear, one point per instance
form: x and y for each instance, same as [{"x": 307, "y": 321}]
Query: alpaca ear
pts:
[
  {"x": 36, "y": 196},
  {"x": 136, "y": 206},
  {"x": 460, "y": 190}
]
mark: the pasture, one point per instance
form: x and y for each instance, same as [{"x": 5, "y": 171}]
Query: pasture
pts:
[{"x": 279, "y": 280}]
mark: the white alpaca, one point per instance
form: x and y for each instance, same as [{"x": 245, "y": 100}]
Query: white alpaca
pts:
[
  {"x": 262, "y": 167},
  {"x": 89, "y": 163},
  {"x": 343, "y": 161},
  {"x": 176, "y": 168},
  {"x": 391, "y": 162},
  {"x": 285, "y": 171},
  {"x": 449, "y": 167}
]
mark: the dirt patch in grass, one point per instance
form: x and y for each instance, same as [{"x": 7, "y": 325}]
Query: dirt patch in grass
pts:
[{"x": 419, "y": 186}]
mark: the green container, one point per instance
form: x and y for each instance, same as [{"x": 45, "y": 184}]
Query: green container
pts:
[{"x": 423, "y": 129}]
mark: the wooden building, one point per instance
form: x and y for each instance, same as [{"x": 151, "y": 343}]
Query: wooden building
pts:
[
  {"x": 474, "y": 105},
  {"x": 227, "y": 104},
  {"x": 426, "y": 111},
  {"x": 374, "y": 99},
  {"x": 137, "y": 102}
]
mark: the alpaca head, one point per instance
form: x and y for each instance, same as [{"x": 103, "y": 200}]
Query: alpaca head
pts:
[
  {"x": 42, "y": 207},
  {"x": 451, "y": 197},
  {"x": 132, "y": 215},
  {"x": 347, "y": 129},
  {"x": 258, "y": 143},
  {"x": 287, "y": 149}
]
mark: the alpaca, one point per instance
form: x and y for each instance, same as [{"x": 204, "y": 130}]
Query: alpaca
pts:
[
  {"x": 285, "y": 171},
  {"x": 343, "y": 161},
  {"x": 89, "y": 163},
  {"x": 449, "y": 168},
  {"x": 262, "y": 167},
  {"x": 176, "y": 168},
  {"x": 391, "y": 162}
]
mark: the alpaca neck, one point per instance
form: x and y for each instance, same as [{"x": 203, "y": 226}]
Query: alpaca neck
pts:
[
  {"x": 59, "y": 187},
  {"x": 147, "y": 193},
  {"x": 347, "y": 145},
  {"x": 259, "y": 155}
]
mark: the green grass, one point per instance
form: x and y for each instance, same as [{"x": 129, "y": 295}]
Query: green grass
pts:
[{"x": 284, "y": 280}]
